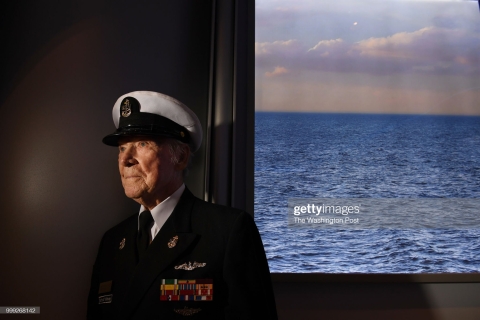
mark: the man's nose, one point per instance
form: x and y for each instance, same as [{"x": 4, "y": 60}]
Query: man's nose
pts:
[{"x": 127, "y": 158}]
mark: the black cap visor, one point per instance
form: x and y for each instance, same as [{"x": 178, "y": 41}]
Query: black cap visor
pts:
[{"x": 147, "y": 124}]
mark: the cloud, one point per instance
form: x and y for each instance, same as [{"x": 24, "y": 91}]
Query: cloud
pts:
[
  {"x": 326, "y": 44},
  {"x": 430, "y": 50},
  {"x": 436, "y": 49},
  {"x": 284, "y": 48},
  {"x": 427, "y": 43},
  {"x": 276, "y": 72}
]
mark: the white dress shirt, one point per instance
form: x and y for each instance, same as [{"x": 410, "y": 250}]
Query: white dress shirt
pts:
[{"x": 162, "y": 211}]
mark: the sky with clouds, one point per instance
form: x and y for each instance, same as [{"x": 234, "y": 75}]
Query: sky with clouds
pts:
[{"x": 368, "y": 56}]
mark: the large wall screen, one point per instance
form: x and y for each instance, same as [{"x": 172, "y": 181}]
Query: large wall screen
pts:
[{"x": 367, "y": 135}]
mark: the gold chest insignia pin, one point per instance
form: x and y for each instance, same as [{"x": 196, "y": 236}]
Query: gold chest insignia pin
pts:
[
  {"x": 173, "y": 242},
  {"x": 190, "y": 266},
  {"x": 186, "y": 311},
  {"x": 122, "y": 244}
]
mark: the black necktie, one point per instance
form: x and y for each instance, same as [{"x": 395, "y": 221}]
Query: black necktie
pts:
[{"x": 143, "y": 237}]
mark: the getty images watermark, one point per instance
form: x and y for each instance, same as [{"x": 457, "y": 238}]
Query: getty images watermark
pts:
[
  {"x": 328, "y": 214},
  {"x": 397, "y": 213}
]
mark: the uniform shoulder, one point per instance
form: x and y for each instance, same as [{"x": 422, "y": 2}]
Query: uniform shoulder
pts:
[
  {"x": 219, "y": 219},
  {"x": 214, "y": 209}
]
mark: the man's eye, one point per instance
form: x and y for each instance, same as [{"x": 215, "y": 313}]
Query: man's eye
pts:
[{"x": 121, "y": 149}]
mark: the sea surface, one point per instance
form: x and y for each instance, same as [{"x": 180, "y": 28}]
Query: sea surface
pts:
[{"x": 349, "y": 156}]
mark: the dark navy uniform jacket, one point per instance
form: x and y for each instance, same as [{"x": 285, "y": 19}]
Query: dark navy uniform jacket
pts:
[{"x": 220, "y": 244}]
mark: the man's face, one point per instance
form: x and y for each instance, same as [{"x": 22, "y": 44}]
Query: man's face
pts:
[{"x": 147, "y": 173}]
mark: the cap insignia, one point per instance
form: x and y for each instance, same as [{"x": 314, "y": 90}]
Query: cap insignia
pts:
[
  {"x": 182, "y": 134},
  {"x": 126, "y": 109}
]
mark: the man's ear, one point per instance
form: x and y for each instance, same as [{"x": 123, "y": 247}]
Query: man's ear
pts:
[{"x": 184, "y": 157}]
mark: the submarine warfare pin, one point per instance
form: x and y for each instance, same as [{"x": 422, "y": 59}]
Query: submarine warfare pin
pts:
[{"x": 190, "y": 266}]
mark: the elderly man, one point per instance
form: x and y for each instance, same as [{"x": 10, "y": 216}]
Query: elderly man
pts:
[{"x": 179, "y": 257}]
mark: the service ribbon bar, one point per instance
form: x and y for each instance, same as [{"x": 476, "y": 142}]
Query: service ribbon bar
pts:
[{"x": 186, "y": 290}]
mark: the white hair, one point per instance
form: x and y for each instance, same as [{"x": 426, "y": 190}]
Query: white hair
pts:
[{"x": 178, "y": 150}]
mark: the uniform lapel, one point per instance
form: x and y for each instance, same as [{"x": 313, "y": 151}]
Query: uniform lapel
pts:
[
  {"x": 159, "y": 255},
  {"x": 125, "y": 258}
]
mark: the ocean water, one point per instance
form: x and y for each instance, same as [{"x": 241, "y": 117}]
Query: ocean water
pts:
[{"x": 315, "y": 155}]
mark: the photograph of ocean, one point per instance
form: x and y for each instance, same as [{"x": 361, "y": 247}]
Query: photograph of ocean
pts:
[{"x": 380, "y": 156}]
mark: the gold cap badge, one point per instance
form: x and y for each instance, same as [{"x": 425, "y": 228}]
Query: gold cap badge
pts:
[{"x": 125, "y": 109}]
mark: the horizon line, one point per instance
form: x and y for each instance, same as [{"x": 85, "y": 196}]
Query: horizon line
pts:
[{"x": 372, "y": 113}]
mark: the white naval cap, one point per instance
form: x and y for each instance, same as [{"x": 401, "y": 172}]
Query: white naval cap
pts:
[{"x": 148, "y": 113}]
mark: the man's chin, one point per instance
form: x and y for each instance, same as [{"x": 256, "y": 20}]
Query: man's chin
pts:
[{"x": 133, "y": 194}]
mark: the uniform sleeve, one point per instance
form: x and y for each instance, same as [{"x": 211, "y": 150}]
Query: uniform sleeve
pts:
[{"x": 250, "y": 293}]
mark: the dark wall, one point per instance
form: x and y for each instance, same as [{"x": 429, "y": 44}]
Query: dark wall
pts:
[
  {"x": 342, "y": 297},
  {"x": 65, "y": 64}
]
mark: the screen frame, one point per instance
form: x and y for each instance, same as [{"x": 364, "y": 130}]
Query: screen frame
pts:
[
  {"x": 376, "y": 278},
  {"x": 248, "y": 32}
]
